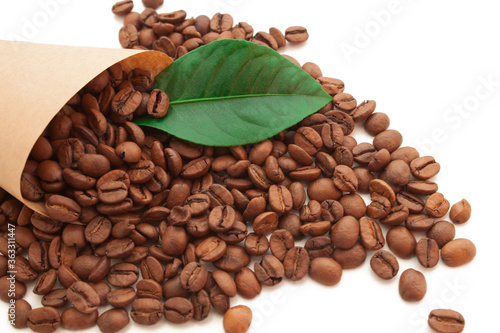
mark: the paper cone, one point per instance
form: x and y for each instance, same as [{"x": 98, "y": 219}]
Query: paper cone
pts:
[{"x": 36, "y": 80}]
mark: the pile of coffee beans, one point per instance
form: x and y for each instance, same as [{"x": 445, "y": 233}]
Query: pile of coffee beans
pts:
[{"x": 155, "y": 226}]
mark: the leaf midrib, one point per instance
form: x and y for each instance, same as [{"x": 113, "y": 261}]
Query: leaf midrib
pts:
[{"x": 234, "y": 97}]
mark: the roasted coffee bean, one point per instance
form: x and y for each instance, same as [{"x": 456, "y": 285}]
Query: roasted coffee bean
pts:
[
  {"x": 350, "y": 258},
  {"x": 424, "y": 167},
  {"x": 83, "y": 297},
  {"x": 44, "y": 320},
  {"x": 152, "y": 269},
  {"x": 382, "y": 188},
  {"x": 128, "y": 37},
  {"x": 401, "y": 241},
  {"x": 384, "y": 264},
  {"x": 120, "y": 298},
  {"x": 256, "y": 245},
  {"x": 345, "y": 102},
  {"x": 45, "y": 282},
  {"x": 18, "y": 313},
  {"x": 406, "y": 154},
  {"x": 296, "y": 263},
  {"x": 388, "y": 139},
  {"x": 269, "y": 271},
  {"x": 233, "y": 260},
  {"x": 24, "y": 272},
  {"x": 353, "y": 205},
  {"x": 458, "y": 252},
  {"x": 7, "y": 292},
  {"x": 314, "y": 229},
  {"x": 331, "y": 210},
  {"x": 123, "y": 275},
  {"x": 265, "y": 223},
  {"x": 310, "y": 212},
  {"x": 113, "y": 320},
  {"x": 320, "y": 246},
  {"x": 345, "y": 232},
  {"x": 247, "y": 283},
  {"x": 62, "y": 208},
  {"x": 280, "y": 242},
  {"x": 325, "y": 271},
  {"x": 211, "y": 249},
  {"x": 237, "y": 319},
  {"x": 379, "y": 208},
  {"x": 38, "y": 255},
  {"x": 201, "y": 305},
  {"x": 398, "y": 172},
  {"x": 376, "y": 123},
  {"x": 414, "y": 203},
  {"x": 298, "y": 194},
  {"x": 296, "y": 34},
  {"x": 460, "y": 212},
  {"x": 146, "y": 311},
  {"x": 225, "y": 282},
  {"x": 122, "y": 7},
  {"x": 299, "y": 155},
  {"x": 446, "y": 321},
  {"x": 363, "y": 110},
  {"x": 427, "y": 251},
  {"x": 308, "y": 139},
  {"x": 55, "y": 298},
  {"x": 421, "y": 187},
  {"x": 442, "y": 232},
  {"x": 178, "y": 310},
  {"x": 148, "y": 288},
  {"x": 74, "y": 320},
  {"x": 371, "y": 235},
  {"x": 280, "y": 199},
  {"x": 345, "y": 179},
  {"x": 193, "y": 276},
  {"x": 437, "y": 205},
  {"x": 221, "y": 22},
  {"x": 174, "y": 240},
  {"x": 312, "y": 69},
  {"x": 412, "y": 285},
  {"x": 419, "y": 222},
  {"x": 343, "y": 156},
  {"x": 219, "y": 300}
]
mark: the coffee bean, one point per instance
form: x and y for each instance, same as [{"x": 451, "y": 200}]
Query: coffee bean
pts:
[
  {"x": 363, "y": 110},
  {"x": 442, "y": 232},
  {"x": 345, "y": 232},
  {"x": 384, "y": 264},
  {"x": 398, "y": 172},
  {"x": 427, "y": 251},
  {"x": 296, "y": 263},
  {"x": 45, "y": 282},
  {"x": 237, "y": 319},
  {"x": 122, "y": 7},
  {"x": 193, "y": 276},
  {"x": 444, "y": 320},
  {"x": 376, "y": 123},
  {"x": 123, "y": 275},
  {"x": 44, "y": 320},
  {"x": 146, "y": 311},
  {"x": 350, "y": 258},
  {"x": 269, "y": 271},
  {"x": 421, "y": 187},
  {"x": 414, "y": 203},
  {"x": 178, "y": 310},
  {"x": 152, "y": 3},
  {"x": 21, "y": 309},
  {"x": 424, "y": 167},
  {"x": 72, "y": 319},
  {"x": 280, "y": 199},
  {"x": 401, "y": 241},
  {"x": 407, "y": 154},
  {"x": 62, "y": 208},
  {"x": 388, "y": 139},
  {"x": 120, "y": 298},
  {"x": 382, "y": 188},
  {"x": 437, "y": 205},
  {"x": 128, "y": 36},
  {"x": 55, "y": 298},
  {"x": 152, "y": 269},
  {"x": 371, "y": 235},
  {"x": 221, "y": 22},
  {"x": 412, "y": 285},
  {"x": 113, "y": 320},
  {"x": 458, "y": 252},
  {"x": 325, "y": 271},
  {"x": 419, "y": 222},
  {"x": 353, "y": 205},
  {"x": 460, "y": 212},
  {"x": 296, "y": 34},
  {"x": 211, "y": 249},
  {"x": 345, "y": 179},
  {"x": 83, "y": 297},
  {"x": 201, "y": 305},
  {"x": 320, "y": 246},
  {"x": 6, "y": 293},
  {"x": 265, "y": 223}
]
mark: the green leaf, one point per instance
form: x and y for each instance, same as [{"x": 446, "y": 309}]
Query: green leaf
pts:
[{"x": 233, "y": 92}]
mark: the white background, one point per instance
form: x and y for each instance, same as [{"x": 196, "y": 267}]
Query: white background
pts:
[{"x": 422, "y": 61}]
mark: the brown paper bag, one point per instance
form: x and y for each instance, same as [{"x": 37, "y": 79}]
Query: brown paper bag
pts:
[{"x": 36, "y": 80}]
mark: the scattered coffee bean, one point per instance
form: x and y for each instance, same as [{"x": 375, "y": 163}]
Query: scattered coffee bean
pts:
[
  {"x": 412, "y": 285},
  {"x": 446, "y": 321}
]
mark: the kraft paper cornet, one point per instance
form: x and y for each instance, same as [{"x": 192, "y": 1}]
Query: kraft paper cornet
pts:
[{"x": 36, "y": 80}]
